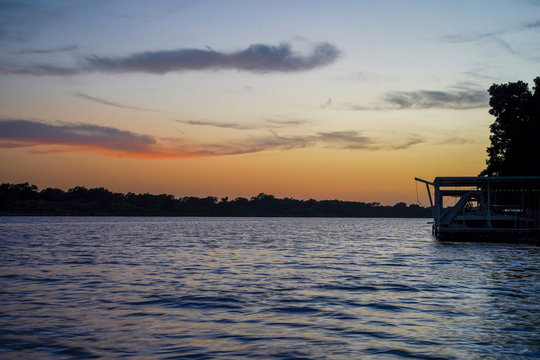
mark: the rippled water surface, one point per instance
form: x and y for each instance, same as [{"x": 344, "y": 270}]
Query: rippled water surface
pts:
[{"x": 165, "y": 288}]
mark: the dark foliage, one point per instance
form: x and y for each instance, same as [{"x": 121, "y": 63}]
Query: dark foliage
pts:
[
  {"x": 26, "y": 199},
  {"x": 515, "y": 134}
]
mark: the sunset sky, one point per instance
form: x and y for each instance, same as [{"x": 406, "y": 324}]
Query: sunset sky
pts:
[{"x": 344, "y": 100}]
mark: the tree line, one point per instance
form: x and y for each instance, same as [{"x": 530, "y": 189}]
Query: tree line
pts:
[{"x": 27, "y": 199}]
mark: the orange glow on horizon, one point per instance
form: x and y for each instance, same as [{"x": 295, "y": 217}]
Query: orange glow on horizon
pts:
[
  {"x": 318, "y": 173},
  {"x": 51, "y": 148}
]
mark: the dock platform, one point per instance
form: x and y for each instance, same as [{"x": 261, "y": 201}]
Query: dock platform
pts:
[{"x": 497, "y": 208}]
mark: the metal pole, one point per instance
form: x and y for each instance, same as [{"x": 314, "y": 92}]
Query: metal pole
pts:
[{"x": 429, "y": 194}]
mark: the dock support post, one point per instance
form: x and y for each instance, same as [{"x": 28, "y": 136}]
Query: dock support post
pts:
[
  {"x": 430, "y": 200},
  {"x": 438, "y": 205},
  {"x": 489, "y": 206}
]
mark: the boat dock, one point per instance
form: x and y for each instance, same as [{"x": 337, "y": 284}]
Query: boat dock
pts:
[{"x": 497, "y": 208}]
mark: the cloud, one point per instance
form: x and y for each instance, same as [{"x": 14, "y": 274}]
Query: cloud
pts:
[
  {"x": 494, "y": 37},
  {"x": 43, "y": 137},
  {"x": 267, "y": 124},
  {"x": 39, "y": 70},
  {"x": 282, "y": 123},
  {"x": 349, "y": 140},
  {"x": 462, "y": 99},
  {"x": 468, "y": 37},
  {"x": 31, "y": 133},
  {"x": 532, "y": 25},
  {"x": 270, "y": 142},
  {"x": 425, "y": 99},
  {"x": 346, "y": 140},
  {"x": 235, "y": 126},
  {"x": 413, "y": 140},
  {"x": 257, "y": 58},
  {"x": 48, "y": 51},
  {"x": 473, "y": 37},
  {"x": 62, "y": 137},
  {"x": 327, "y": 104},
  {"x": 110, "y": 103},
  {"x": 455, "y": 140},
  {"x": 68, "y": 137}
]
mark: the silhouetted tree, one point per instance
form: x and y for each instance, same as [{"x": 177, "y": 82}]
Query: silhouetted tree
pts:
[
  {"x": 52, "y": 194},
  {"x": 515, "y": 134}
]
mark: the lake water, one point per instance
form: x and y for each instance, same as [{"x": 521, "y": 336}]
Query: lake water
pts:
[{"x": 239, "y": 288}]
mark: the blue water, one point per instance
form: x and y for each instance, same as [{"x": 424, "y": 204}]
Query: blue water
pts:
[{"x": 224, "y": 288}]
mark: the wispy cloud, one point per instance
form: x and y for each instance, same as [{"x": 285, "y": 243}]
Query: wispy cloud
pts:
[
  {"x": 288, "y": 122},
  {"x": 462, "y": 99},
  {"x": 257, "y": 58},
  {"x": 273, "y": 141},
  {"x": 424, "y": 99},
  {"x": 473, "y": 37},
  {"x": 45, "y": 137},
  {"x": 39, "y": 70},
  {"x": 455, "y": 140},
  {"x": 266, "y": 124},
  {"x": 327, "y": 104},
  {"x": 533, "y": 25},
  {"x": 468, "y": 36},
  {"x": 496, "y": 37},
  {"x": 226, "y": 125},
  {"x": 349, "y": 140},
  {"x": 407, "y": 143},
  {"x": 476, "y": 36},
  {"x": 110, "y": 103},
  {"x": 48, "y": 51},
  {"x": 346, "y": 140}
]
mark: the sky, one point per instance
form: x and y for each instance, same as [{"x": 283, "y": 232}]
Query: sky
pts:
[{"x": 345, "y": 100}]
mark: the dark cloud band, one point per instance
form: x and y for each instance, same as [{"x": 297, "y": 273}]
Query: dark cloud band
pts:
[
  {"x": 257, "y": 58},
  {"x": 29, "y": 133},
  {"x": 49, "y": 51}
]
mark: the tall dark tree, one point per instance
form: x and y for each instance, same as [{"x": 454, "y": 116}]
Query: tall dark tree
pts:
[{"x": 515, "y": 134}]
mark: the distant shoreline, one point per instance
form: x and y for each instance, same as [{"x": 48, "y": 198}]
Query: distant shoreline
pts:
[
  {"x": 26, "y": 200},
  {"x": 220, "y": 217}
]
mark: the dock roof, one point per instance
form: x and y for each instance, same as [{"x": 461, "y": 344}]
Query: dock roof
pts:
[{"x": 527, "y": 181}]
